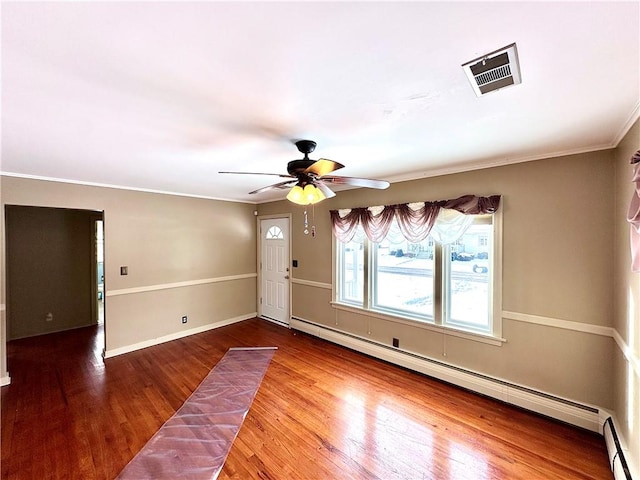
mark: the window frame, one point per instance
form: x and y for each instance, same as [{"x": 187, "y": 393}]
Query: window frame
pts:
[
  {"x": 492, "y": 336},
  {"x": 274, "y": 233}
]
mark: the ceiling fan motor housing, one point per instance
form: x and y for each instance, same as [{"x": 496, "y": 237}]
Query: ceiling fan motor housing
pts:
[{"x": 295, "y": 167}]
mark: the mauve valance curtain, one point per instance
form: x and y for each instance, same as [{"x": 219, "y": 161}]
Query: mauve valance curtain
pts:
[{"x": 415, "y": 221}]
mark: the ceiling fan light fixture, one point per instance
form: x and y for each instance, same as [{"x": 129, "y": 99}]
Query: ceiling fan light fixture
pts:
[
  {"x": 313, "y": 194},
  {"x": 308, "y": 195},
  {"x": 296, "y": 195}
]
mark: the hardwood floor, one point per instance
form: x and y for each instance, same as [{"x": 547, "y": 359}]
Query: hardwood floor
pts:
[{"x": 322, "y": 412}]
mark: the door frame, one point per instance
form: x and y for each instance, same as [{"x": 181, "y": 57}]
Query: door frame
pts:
[
  {"x": 99, "y": 217},
  {"x": 259, "y": 218}
]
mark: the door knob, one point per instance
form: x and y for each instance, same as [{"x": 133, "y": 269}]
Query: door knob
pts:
[{"x": 286, "y": 277}]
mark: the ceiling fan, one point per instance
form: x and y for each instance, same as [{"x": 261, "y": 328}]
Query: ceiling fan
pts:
[{"x": 309, "y": 178}]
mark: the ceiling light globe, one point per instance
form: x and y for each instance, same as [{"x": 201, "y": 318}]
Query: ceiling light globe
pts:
[
  {"x": 310, "y": 193},
  {"x": 319, "y": 195},
  {"x": 296, "y": 195}
]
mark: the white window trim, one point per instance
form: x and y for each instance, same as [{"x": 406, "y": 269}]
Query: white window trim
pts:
[
  {"x": 454, "y": 332},
  {"x": 496, "y": 292},
  {"x": 492, "y": 338}
]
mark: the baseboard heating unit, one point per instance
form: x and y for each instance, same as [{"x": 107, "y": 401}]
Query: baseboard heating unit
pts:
[
  {"x": 617, "y": 461},
  {"x": 585, "y": 416}
]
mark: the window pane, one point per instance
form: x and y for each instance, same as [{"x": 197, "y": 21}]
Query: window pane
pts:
[
  {"x": 467, "y": 278},
  {"x": 351, "y": 287},
  {"x": 403, "y": 275},
  {"x": 274, "y": 233}
]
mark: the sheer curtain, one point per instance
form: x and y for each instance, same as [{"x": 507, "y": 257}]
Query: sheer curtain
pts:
[
  {"x": 447, "y": 220},
  {"x": 633, "y": 214}
]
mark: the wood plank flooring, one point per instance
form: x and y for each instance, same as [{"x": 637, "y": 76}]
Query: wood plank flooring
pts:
[{"x": 322, "y": 412}]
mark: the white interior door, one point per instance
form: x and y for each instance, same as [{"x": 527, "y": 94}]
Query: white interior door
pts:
[{"x": 275, "y": 274}]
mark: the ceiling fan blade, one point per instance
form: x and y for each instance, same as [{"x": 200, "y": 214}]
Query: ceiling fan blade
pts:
[
  {"x": 283, "y": 175},
  {"x": 323, "y": 166},
  {"x": 357, "y": 182},
  {"x": 275, "y": 186},
  {"x": 326, "y": 191}
]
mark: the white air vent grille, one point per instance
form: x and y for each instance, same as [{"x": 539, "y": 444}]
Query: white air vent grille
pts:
[
  {"x": 493, "y": 75},
  {"x": 494, "y": 71}
]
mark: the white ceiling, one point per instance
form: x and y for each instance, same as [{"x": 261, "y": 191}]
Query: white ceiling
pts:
[{"x": 162, "y": 95}]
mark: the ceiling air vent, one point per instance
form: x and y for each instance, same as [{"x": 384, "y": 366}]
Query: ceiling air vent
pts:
[{"x": 494, "y": 71}]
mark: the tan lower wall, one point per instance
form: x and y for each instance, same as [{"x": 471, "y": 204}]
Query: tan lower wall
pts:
[
  {"x": 538, "y": 356},
  {"x": 161, "y": 311}
]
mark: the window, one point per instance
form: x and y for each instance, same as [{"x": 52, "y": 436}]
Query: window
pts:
[
  {"x": 274, "y": 233},
  {"x": 450, "y": 286},
  {"x": 402, "y": 276},
  {"x": 351, "y": 271},
  {"x": 466, "y": 279}
]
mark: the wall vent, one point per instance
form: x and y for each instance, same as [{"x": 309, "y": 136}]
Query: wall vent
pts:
[{"x": 494, "y": 70}]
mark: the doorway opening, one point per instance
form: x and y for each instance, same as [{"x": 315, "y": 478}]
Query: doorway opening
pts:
[{"x": 53, "y": 258}]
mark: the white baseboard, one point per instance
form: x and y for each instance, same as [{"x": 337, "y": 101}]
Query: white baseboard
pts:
[
  {"x": 5, "y": 381},
  {"x": 585, "y": 416},
  {"x": 174, "y": 336}
]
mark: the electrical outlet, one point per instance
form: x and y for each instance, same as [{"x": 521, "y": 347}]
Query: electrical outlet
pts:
[
  {"x": 48, "y": 317},
  {"x": 184, "y": 319},
  {"x": 396, "y": 343},
  {"x": 124, "y": 270}
]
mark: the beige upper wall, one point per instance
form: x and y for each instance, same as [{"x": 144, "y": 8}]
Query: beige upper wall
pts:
[
  {"x": 168, "y": 239},
  {"x": 161, "y": 238},
  {"x": 557, "y": 237}
]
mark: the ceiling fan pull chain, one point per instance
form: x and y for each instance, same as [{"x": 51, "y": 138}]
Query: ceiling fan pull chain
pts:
[
  {"x": 306, "y": 223},
  {"x": 313, "y": 220}
]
